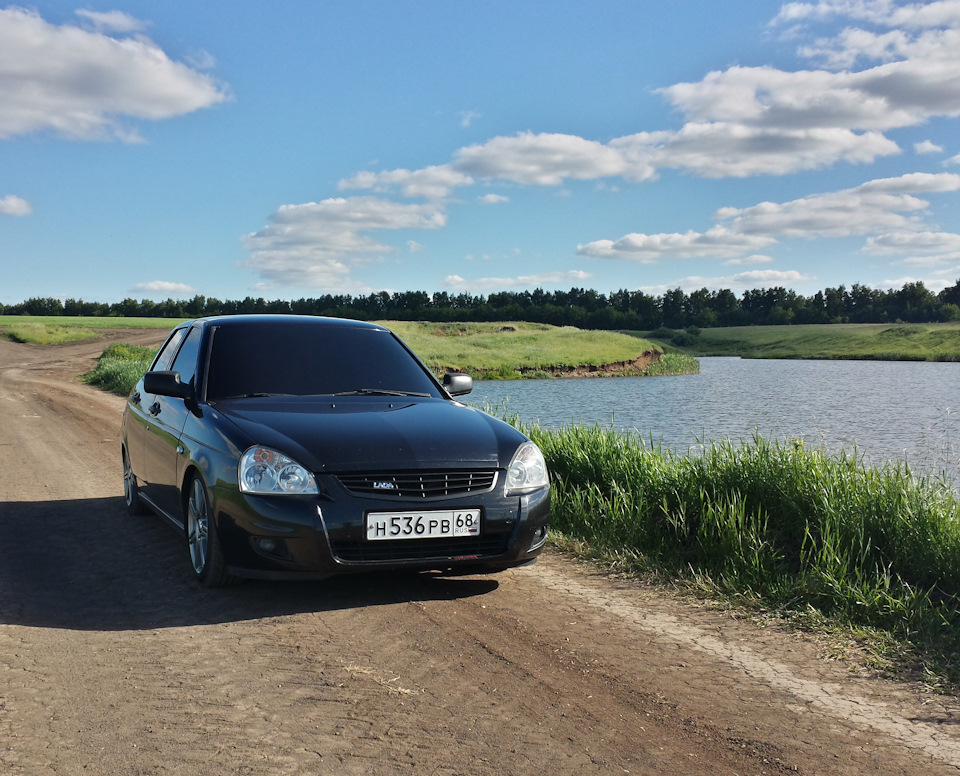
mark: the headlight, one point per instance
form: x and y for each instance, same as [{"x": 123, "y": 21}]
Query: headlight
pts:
[
  {"x": 527, "y": 470},
  {"x": 264, "y": 471}
]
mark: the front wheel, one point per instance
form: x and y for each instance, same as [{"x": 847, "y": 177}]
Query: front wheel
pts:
[{"x": 206, "y": 557}]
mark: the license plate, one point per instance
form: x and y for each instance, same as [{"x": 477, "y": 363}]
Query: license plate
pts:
[{"x": 433, "y": 524}]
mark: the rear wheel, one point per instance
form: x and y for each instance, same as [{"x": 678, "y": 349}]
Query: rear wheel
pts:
[
  {"x": 131, "y": 491},
  {"x": 206, "y": 557}
]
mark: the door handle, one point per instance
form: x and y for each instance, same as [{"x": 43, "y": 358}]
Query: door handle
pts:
[{"x": 155, "y": 408}]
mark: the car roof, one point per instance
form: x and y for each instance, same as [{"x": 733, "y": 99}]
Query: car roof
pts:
[{"x": 270, "y": 319}]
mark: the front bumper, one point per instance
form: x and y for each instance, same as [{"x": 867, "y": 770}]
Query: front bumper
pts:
[{"x": 284, "y": 537}]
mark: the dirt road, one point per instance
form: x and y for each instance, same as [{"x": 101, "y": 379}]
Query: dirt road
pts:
[{"x": 113, "y": 661}]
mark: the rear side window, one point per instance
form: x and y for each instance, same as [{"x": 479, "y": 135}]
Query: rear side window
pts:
[
  {"x": 305, "y": 360},
  {"x": 166, "y": 354},
  {"x": 186, "y": 361}
]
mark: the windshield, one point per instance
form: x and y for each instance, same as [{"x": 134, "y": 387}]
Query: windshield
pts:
[{"x": 301, "y": 359}]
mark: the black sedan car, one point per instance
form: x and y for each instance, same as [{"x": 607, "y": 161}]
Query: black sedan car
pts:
[{"x": 299, "y": 447}]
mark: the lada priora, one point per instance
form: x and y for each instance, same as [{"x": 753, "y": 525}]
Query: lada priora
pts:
[{"x": 286, "y": 446}]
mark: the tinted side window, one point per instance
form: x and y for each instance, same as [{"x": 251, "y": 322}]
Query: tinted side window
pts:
[
  {"x": 186, "y": 361},
  {"x": 165, "y": 356}
]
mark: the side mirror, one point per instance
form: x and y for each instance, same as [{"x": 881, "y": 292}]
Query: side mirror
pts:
[
  {"x": 457, "y": 384},
  {"x": 166, "y": 383}
]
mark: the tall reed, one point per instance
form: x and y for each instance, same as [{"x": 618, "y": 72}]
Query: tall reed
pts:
[{"x": 779, "y": 523}]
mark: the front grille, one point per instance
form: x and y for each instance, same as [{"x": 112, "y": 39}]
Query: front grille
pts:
[
  {"x": 420, "y": 484},
  {"x": 420, "y": 549}
]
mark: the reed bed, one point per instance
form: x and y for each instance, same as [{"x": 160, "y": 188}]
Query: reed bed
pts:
[{"x": 775, "y": 524}]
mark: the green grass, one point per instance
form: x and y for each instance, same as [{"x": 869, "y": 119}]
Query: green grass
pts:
[
  {"x": 812, "y": 536},
  {"x": 120, "y": 367},
  {"x": 47, "y": 334},
  {"x": 893, "y": 342},
  {"x": 82, "y": 322},
  {"x": 512, "y": 350}
]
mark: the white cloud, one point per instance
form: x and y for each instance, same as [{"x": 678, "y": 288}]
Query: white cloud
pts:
[
  {"x": 155, "y": 287},
  {"x": 430, "y": 183},
  {"x": 11, "y": 205},
  {"x": 112, "y": 21},
  {"x": 746, "y": 261},
  {"x": 542, "y": 159},
  {"x": 717, "y": 243},
  {"x": 123, "y": 77},
  {"x": 492, "y": 199},
  {"x": 877, "y": 205},
  {"x": 937, "y": 260},
  {"x": 467, "y": 117},
  {"x": 722, "y": 149},
  {"x": 927, "y": 147},
  {"x": 318, "y": 243},
  {"x": 913, "y": 242},
  {"x": 953, "y": 160},
  {"x": 524, "y": 281}
]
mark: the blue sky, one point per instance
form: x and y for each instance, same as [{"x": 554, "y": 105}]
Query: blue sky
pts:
[{"x": 300, "y": 148}]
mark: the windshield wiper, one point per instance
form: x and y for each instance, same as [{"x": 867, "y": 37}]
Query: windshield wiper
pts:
[
  {"x": 255, "y": 395},
  {"x": 379, "y": 392}
]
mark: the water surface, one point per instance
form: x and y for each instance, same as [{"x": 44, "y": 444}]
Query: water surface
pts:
[{"x": 886, "y": 410}]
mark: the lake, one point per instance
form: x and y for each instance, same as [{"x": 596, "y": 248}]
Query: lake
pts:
[{"x": 888, "y": 410}]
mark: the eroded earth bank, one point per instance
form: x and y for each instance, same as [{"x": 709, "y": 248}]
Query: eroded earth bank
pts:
[{"x": 113, "y": 661}]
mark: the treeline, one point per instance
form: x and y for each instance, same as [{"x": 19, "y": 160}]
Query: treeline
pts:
[{"x": 584, "y": 308}]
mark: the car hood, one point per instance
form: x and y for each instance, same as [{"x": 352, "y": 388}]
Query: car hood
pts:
[{"x": 371, "y": 433}]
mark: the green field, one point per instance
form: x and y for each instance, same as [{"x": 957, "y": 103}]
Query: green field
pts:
[
  {"x": 55, "y": 330},
  {"x": 484, "y": 350},
  {"x": 875, "y": 341}
]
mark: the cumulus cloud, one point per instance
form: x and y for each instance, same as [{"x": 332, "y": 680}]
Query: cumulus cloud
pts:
[
  {"x": 541, "y": 159},
  {"x": 877, "y": 205},
  {"x": 927, "y": 147},
  {"x": 913, "y": 242},
  {"x": 112, "y": 21},
  {"x": 492, "y": 199},
  {"x": 746, "y": 121},
  {"x": 887, "y": 208},
  {"x": 11, "y": 205},
  {"x": 717, "y": 243},
  {"x": 746, "y": 261},
  {"x": 155, "y": 287},
  {"x": 318, "y": 243},
  {"x": 122, "y": 78},
  {"x": 456, "y": 282},
  {"x": 430, "y": 183}
]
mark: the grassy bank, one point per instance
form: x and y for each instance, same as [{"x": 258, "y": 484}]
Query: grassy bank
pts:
[
  {"x": 894, "y": 342},
  {"x": 486, "y": 351},
  {"x": 816, "y": 538},
  {"x": 514, "y": 350}
]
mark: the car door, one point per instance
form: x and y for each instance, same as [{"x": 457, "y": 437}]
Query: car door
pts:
[
  {"x": 165, "y": 418},
  {"x": 137, "y": 418}
]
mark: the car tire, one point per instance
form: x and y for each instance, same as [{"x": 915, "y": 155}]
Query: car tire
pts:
[
  {"x": 131, "y": 491},
  {"x": 203, "y": 543}
]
